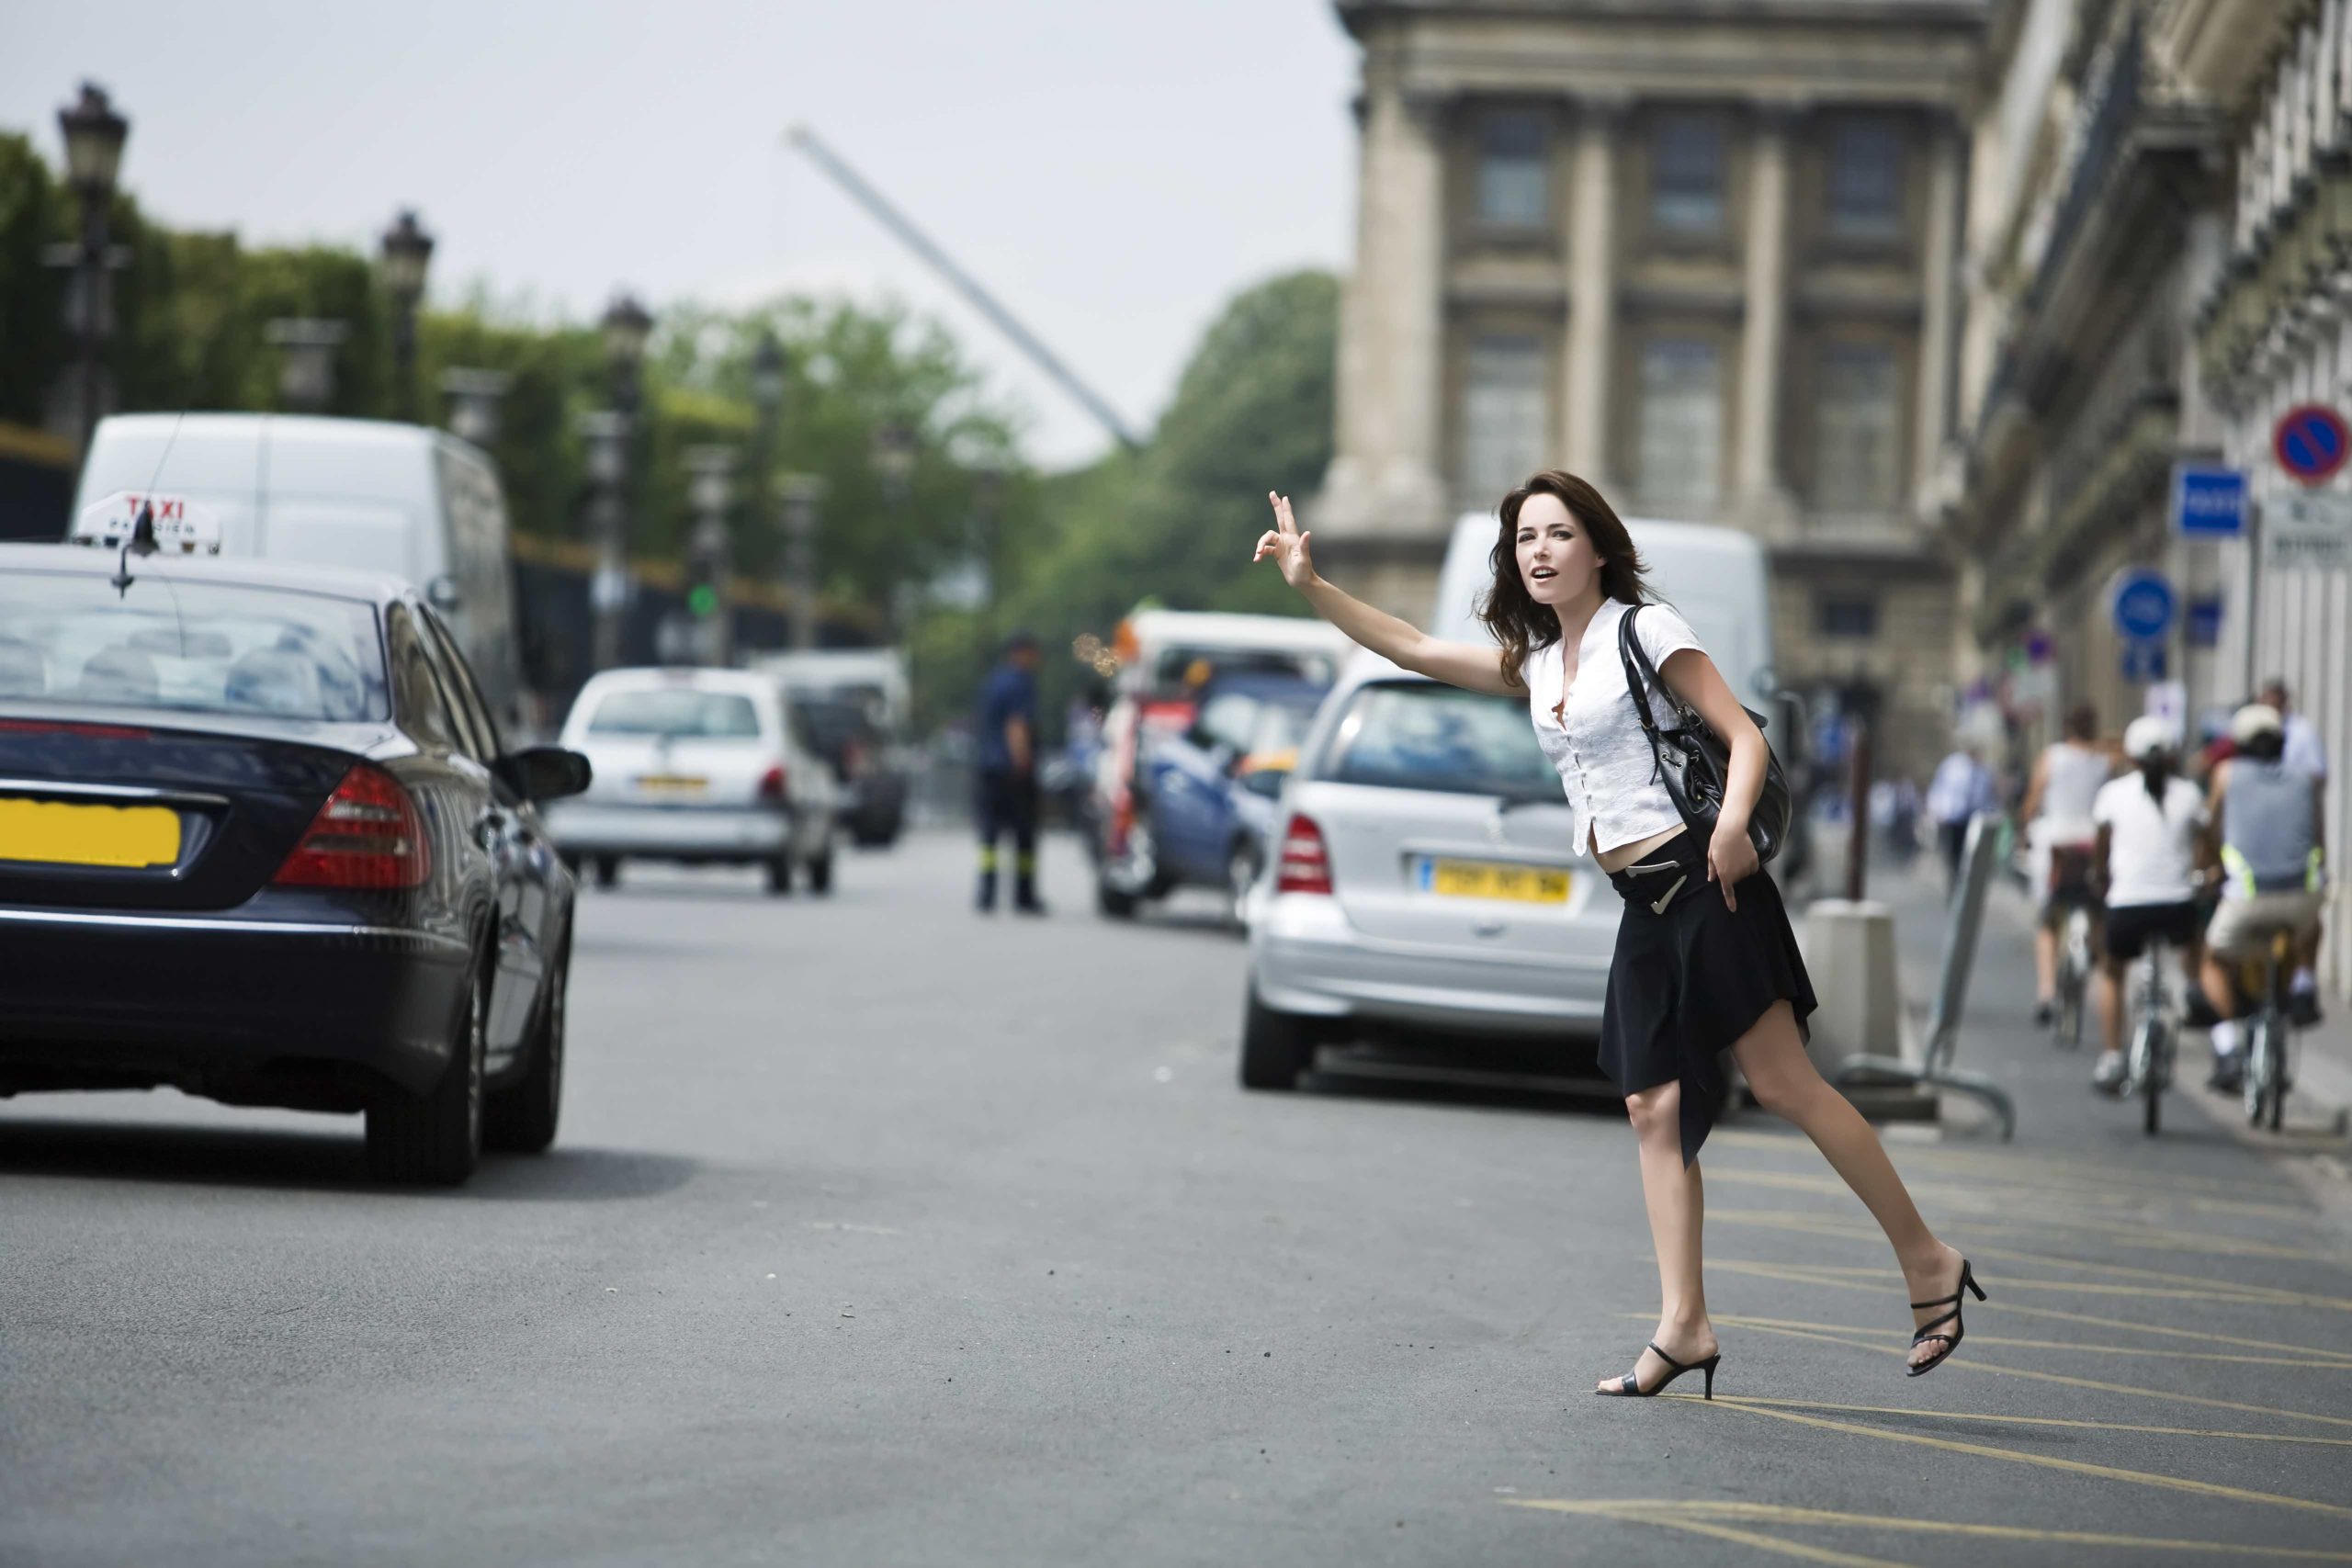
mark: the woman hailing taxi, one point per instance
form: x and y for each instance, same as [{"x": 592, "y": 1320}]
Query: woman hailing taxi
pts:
[{"x": 1705, "y": 960}]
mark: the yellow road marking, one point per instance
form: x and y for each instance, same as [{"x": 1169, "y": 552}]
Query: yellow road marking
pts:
[
  {"x": 2096, "y": 1207},
  {"x": 1980, "y": 1366},
  {"x": 2169, "y": 1332},
  {"x": 2068, "y": 1421},
  {"x": 1874, "y": 1278},
  {"x": 1650, "y": 1510},
  {"x": 2308, "y": 1363},
  {"x": 1773, "y": 1544},
  {"x": 2042, "y": 1167},
  {"x": 2194, "y": 1287},
  {"x": 2044, "y": 1461}
]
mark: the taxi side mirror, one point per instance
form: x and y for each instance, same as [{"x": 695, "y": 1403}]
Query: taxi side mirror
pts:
[{"x": 544, "y": 773}]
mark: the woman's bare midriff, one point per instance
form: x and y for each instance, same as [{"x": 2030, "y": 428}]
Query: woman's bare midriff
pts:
[{"x": 1623, "y": 856}]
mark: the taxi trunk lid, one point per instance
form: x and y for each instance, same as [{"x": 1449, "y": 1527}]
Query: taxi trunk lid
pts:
[{"x": 118, "y": 814}]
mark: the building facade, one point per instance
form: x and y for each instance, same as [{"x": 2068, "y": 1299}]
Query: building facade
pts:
[
  {"x": 2272, "y": 329},
  {"x": 1704, "y": 255},
  {"x": 2159, "y": 232}
]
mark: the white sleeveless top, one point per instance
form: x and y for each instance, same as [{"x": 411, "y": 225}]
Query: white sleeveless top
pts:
[
  {"x": 2071, "y": 777},
  {"x": 1600, "y": 752}
]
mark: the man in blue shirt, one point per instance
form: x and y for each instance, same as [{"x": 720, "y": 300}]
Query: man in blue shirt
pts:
[{"x": 1006, "y": 758}]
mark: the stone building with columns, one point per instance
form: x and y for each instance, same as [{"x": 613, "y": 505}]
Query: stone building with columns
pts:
[{"x": 1701, "y": 252}]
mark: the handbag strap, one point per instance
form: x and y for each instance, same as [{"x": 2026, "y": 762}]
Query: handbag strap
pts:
[{"x": 1640, "y": 674}]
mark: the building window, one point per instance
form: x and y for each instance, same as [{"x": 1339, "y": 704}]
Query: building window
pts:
[
  {"x": 1514, "y": 170},
  {"x": 1854, "y": 455},
  {"x": 1502, "y": 412},
  {"x": 1849, "y": 617},
  {"x": 1687, "y": 175},
  {"x": 1865, "y": 180},
  {"x": 1682, "y": 422}
]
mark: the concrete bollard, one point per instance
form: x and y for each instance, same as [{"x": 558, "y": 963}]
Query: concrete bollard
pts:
[{"x": 1850, "y": 951}]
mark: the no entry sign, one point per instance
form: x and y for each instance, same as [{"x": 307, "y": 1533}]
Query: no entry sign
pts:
[{"x": 2310, "y": 441}]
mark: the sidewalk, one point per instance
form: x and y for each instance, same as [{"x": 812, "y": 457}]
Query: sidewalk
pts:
[{"x": 2055, "y": 1105}]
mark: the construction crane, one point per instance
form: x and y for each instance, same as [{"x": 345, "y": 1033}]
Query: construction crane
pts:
[{"x": 915, "y": 239}]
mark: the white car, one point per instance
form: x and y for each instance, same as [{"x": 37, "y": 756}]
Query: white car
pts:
[
  {"x": 1422, "y": 889},
  {"x": 699, "y": 766}
]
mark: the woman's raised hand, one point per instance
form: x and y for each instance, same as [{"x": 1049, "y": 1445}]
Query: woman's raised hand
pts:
[{"x": 1286, "y": 545}]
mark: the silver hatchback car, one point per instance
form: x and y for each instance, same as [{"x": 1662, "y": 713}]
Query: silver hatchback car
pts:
[{"x": 1423, "y": 887}]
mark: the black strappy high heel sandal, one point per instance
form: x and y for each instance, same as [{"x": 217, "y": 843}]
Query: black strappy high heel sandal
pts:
[
  {"x": 1627, "y": 1388},
  {"x": 1928, "y": 1330}
]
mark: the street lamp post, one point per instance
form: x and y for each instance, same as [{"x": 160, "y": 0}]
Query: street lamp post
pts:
[
  {"x": 800, "y": 494},
  {"x": 306, "y": 369},
  {"x": 711, "y": 489},
  {"x": 94, "y": 137},
  {"x": 407, "y": 249},
  {"x": 768, "y": 368},
  {"x": 894, "y": 460},
  {"x": 627, "y": 325},
  {"x": 473, "y": 397}
]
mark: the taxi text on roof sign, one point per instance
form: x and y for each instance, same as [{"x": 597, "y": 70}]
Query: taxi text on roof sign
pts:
[{"x": 182, "y": 526}]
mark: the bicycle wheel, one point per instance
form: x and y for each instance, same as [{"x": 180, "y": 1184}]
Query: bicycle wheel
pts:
[
  {"x": 2149, "y": 1052},
  {"x": 2256, "y": 1089}
]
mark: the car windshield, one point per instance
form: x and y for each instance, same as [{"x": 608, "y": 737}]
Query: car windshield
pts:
[
  {"x": 677, "y": 713},
  {"x": 199, "y": 646},
  {"x": 1417, "y": 736},
  {"x": 1279, "y": 727}
]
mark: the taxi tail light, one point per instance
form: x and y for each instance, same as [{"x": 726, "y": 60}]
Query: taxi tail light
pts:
[
  {"x": 772, "y": 782},
  {"x": 368, "y": 834},
  {"x": 1306, "y": 864}
]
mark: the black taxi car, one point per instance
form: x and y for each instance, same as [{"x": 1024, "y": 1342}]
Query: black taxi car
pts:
[{"x": 260, "y": 839}]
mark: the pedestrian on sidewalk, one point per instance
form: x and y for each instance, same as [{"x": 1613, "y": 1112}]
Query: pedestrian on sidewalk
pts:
[
  {"x": 2274, "y": 862},
  {"x": 2056, "y": 812},
  {"x": 2151, "y": 834},
  {"x": 1006, "y": 754},
  {"x": 1962, "y": 788},
  {"x": 1705, "y": 959},
  {"x": 2303, "y": 747}
]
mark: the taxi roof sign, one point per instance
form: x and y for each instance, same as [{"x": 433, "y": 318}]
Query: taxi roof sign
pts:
[{"x": 182, "y": 526}]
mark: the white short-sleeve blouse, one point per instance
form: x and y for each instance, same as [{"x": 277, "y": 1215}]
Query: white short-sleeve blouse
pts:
[{"x": 1596, "y": 746}]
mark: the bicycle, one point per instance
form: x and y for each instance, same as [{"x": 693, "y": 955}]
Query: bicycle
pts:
[
  {"x": 2155, "y": 1033},
  {"x": 2074, "y": 977},
  {"x": 2264, "y": 1086}
]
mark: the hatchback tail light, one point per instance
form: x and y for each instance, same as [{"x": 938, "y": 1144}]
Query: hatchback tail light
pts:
[
  {"x": 367, "y": 835},
  {"x": 1306, "y": 864},
  {"x": 772, "y": 782}
]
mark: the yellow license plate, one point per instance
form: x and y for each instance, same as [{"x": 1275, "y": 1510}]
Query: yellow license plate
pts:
[
  {"x": 1491, "y": 879},
  {"x": 51, "y": 833},
  {"x": 671, "y": 784}
]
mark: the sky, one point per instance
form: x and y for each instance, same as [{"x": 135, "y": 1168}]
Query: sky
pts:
[{"x": 1112, "y": 169}]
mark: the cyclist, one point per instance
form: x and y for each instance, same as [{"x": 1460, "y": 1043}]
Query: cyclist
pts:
[
  {"x": 2150, "y": 845},
  {"x": 2059, "y": 839},
  {"x": 2273, "y": 856}
]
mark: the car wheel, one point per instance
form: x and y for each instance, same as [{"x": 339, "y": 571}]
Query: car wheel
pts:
[
  {"x": 521, "y": 1118},
  {"x": 780, "y": 874},
  {"x": 1113, "y": 902},
  {"x": 1241, "y": 870},
  {"x": 608, "y": 871},
  {"x": 820, "y": 872},
  {"x": 1275, "y": 1046},
  {"x": 435, "y": 1138}
]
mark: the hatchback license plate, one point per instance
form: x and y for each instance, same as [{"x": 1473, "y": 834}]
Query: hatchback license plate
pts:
[
  {"x": 45, "y": 832},
  {"x": 671, "y": 784},
  {"x": 1493, "y": 879}
]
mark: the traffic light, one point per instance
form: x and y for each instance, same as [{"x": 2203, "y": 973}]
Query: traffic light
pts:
[{"x": 706, "y": 572}]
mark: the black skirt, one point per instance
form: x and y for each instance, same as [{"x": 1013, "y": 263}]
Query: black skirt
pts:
[{"x": 1690, "y": 976}]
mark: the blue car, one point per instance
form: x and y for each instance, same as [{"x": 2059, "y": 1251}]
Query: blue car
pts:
[{"x": 1205, "y": 797}]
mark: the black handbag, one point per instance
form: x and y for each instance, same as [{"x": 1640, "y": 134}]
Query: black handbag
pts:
[{"x": 1694, "y": 761}]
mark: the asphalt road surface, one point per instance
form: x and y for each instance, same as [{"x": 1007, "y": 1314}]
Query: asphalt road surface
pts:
[{"x": 882, "y": 1234}]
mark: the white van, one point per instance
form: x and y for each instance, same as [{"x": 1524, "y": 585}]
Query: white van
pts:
[{"x": 402, "y": 500}]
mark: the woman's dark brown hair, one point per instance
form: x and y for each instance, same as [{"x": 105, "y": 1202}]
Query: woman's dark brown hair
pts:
[{"x": 1519, "y": 623}]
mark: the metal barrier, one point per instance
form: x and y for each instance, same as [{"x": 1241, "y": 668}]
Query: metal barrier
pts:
[{"x": 1978, "y": 853}]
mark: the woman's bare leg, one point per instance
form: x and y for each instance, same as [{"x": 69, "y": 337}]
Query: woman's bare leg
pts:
[
  {"x": 1782, "y": 1077},
  {"x": 1676, "y": 1205}
]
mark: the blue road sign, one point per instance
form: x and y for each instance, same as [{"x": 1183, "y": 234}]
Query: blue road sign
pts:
[
  {"x": 2205, "y": 621},
  {"x": 2143, "y": 661},
  {"x": 2310, "y": 441},
  {"x": 2142, "y": 601},
  {"x": 2208, "y": 501}
]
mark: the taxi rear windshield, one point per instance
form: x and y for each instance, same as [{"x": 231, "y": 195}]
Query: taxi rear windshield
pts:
[
  {"x": 1422, "y": 736},
  {"x": 677, "y": 713},
  {"x": 200, "y": 647}
]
